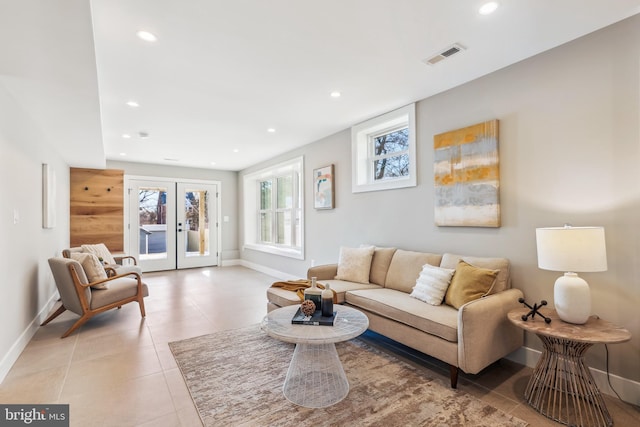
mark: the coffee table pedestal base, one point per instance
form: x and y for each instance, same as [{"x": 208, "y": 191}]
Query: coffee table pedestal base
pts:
[{"x": 315, "y": 378}]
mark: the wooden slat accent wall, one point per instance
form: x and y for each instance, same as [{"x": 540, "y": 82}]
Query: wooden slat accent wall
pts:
[{"x": 97, "y": 207}]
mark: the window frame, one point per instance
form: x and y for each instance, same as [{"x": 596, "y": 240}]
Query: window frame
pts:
[
  {"x": 362, "y": 150},
  {"x": 293, "y": 168}
]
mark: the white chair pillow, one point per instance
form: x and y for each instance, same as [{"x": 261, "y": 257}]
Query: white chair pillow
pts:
[
  {"x": 432, "y": 283},
  {"x": 101, "y": 251}
]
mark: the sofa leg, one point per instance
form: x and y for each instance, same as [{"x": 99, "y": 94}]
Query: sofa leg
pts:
[{"x": 453, "y": 371}]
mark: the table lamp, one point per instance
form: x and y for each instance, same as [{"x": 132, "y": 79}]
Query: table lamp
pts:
[{"x": 572, "y": 250}]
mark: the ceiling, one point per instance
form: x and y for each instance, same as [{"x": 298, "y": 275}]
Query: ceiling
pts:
[{"x": 222, "y": 73}]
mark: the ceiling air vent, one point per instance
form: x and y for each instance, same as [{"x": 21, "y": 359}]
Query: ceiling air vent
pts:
[{"x": 444, "y": 54}]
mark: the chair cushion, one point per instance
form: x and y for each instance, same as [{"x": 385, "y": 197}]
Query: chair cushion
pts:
[
  {"x": 432, "y": 284},
  {"x": 92, "y": 267},
  {"x": 101, "y": 251},
  {"x": 118, "y": 290},
  {"x": 469, "y": 283},
  {"x": 438, "y": 320},
  {"x": 354, "y": 264}
]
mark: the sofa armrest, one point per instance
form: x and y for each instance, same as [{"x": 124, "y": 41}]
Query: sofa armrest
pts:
[
  {"x": 485, "y": 334},
  {"x": 323, "y": 272}
]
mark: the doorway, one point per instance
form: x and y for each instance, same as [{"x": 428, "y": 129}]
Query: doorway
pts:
[{"x": 172, "y": 224}]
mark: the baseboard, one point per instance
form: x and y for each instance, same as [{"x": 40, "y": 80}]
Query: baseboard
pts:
[
  {"x": 628, "y": 390},
  {"x": 19, "y": 345},
  {"x": 280, "y": 275},
  {"x": 230, "y": 262}
]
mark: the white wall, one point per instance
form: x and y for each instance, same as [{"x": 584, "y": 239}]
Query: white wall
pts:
[
  {"x": 569, "y": 152},
  {"x": 26, "y": 284},
  {"x": 228, "y": 201}
]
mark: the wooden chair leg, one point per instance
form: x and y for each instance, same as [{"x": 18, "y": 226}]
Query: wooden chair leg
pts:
[
  {"x": 81, "y": 321},
  {"x": 453, "y": 371},
  {"x": 141, "y": 304},
  {"x": 55, "y": 314}
]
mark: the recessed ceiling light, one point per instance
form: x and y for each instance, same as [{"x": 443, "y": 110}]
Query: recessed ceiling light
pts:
[
  {"x": 335, "y": 94},
  {"x": 123, "y": 154},
  {"x": 488, "y": 8},
  {"x": 146, "y": 36},
  {"x": 271, "y": 130},
  {"x": 133, "y": 104},
  {"x": 213, "y": 163},
  {"x": 235, "y": 150},
  {"x": 126, "y": 136}
]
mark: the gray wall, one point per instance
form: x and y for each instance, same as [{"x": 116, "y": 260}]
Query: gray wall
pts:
[
  {"x": 569, "y": 153},
  {"x": 228, "y": 201}
]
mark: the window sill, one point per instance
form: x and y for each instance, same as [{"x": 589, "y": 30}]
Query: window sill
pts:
[{"x": 276, "y": 250}]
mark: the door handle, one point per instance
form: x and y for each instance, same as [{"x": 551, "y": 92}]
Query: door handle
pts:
[{"x": 179, "y": 230}]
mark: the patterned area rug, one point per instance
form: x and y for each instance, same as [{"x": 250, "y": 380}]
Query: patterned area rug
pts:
[{"x": 235, "y": 379}]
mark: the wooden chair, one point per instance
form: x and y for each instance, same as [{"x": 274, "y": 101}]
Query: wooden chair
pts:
[{"x": 78, "y": 296}]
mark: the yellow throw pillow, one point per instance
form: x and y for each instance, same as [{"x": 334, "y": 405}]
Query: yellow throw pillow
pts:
[{"x": 469, "y": 283}]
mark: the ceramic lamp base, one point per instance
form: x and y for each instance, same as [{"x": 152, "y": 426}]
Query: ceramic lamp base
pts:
[{"x": 572, "y": 298}]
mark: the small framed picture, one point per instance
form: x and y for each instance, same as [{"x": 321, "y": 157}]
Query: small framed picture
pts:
[{"x": 323, "y": 192}]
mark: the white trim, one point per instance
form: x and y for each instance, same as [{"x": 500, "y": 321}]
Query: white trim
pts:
[
  {"x": 361, "y": 173},
  {"x": 628, "y": 390},
  {"x": 23, "y": 340},
  {"x": 268, "y": 271}
]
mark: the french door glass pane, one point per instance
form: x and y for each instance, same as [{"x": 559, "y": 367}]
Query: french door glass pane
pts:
[
  {"x": 196, "y": 226},
  {"x": 152, "y": 211}
]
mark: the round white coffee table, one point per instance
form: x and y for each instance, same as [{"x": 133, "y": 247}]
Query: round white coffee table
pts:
[{"x": 315, "y": 378}]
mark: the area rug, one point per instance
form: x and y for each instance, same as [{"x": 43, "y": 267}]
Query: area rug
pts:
[{"x": 235, "y": 379}]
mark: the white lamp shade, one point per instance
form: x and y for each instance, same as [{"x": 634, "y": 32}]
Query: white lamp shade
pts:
[{"x": 574, "y": 249}]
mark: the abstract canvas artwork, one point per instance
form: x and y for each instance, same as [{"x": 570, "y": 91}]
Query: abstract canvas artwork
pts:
[
  {"x": 467, "y": 176},
  {"x": 323, "y": 193}
]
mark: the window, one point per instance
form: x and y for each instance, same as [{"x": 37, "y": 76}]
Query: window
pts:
[
  {"x": 273, "y": 209},
  {"x": 383, "y": 151}
]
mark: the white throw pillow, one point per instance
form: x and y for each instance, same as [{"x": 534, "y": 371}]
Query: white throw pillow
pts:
[
  {"x": 100, "y": 250},
  {"x": 432, "y": 283},
  {"x": 354, "y": 264},
  {"x": 92, "y": 267}
]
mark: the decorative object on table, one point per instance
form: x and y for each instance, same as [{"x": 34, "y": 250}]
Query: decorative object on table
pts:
[
  {"x": 323, "y": 192},
  {"x": 467, "y": 176},
  {"x": 326, "y": 307},
  {"x": 307, "y": 307},
  {"x": 534, "y": 310},
  {"x": 316, "y": 318},
  {"x": 314, "y": 294},
  {"x": 573, "y": 250}
]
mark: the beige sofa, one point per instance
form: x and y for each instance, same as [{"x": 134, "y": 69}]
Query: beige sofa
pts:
[{"x": 468, "y": 338}]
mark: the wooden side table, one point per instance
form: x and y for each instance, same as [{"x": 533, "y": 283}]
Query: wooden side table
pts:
[{"x": 562, "y": 387}]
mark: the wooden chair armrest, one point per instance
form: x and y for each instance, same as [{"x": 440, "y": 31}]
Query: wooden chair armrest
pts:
[
  {"x": 123, "y": 257},
  {"x": 117, "y": 276}
]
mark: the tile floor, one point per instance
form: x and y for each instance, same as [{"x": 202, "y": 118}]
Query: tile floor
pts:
[{"x": 117, "y": 370}]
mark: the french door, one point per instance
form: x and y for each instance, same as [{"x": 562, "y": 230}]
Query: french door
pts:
[{"x": 172, "y": 224}]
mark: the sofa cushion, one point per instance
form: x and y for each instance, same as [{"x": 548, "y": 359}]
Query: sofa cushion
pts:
[
  {"x": 438, "y": 320},
  {"x": 405, "y": 268},
  {"x": 283, "y": 298},
  {"x": 380, "y": 265},
  {"x": 503, "y": 281},
  {"x": 469, "y": 283},
  {"x": 354, "y": 264},
  {"x": 432, "y": 284}
]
